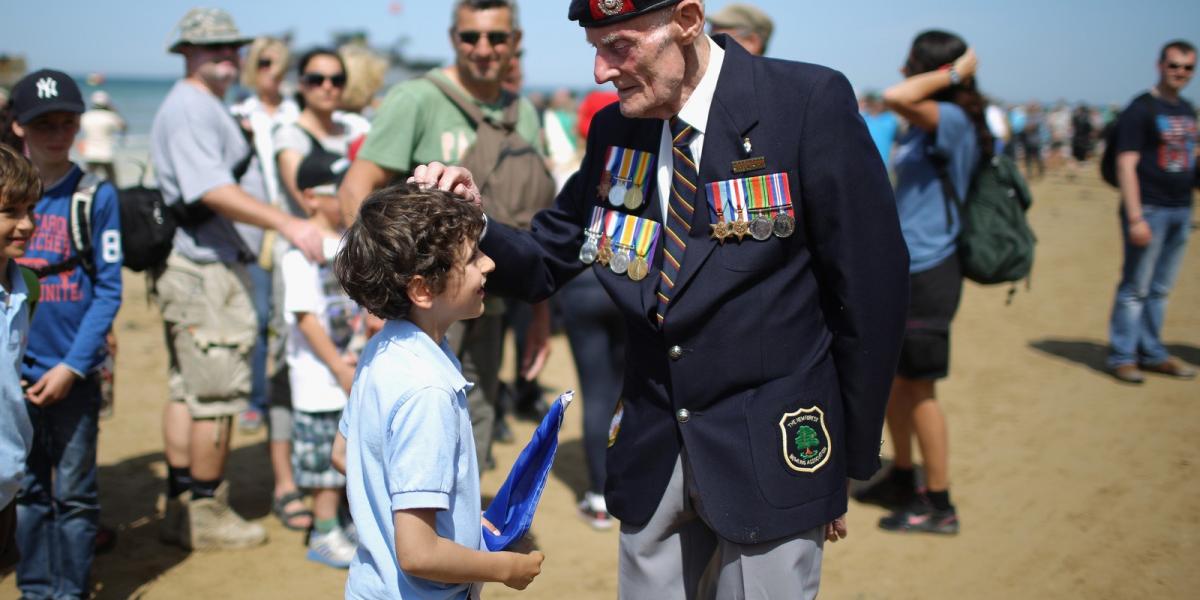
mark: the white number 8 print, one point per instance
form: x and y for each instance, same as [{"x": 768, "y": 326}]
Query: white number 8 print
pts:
[{"x": 110, "y": 246}]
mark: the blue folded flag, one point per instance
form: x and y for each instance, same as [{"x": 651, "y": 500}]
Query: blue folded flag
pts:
[{"x": 516, "y": 501}]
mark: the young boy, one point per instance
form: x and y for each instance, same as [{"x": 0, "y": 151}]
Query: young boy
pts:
[
  {"x": 58, "y": 508},
  {"x": 413, "y": 478},
  {"x": 322, "y": 320},
  {"x": 20, "y": 188}
]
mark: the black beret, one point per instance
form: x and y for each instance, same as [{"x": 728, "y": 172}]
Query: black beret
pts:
[{"x": 598, "y": 13}]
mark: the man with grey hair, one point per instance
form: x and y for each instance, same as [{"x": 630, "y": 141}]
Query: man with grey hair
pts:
[
  {"x": 746, "y": 24},
  {"x": 211, "y": 179},
  {"x": 756, "y": 256},
  {"x": 437, "y": 117}
]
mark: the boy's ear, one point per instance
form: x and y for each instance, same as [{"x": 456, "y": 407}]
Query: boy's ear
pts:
[{"x": 419, "y": 293}]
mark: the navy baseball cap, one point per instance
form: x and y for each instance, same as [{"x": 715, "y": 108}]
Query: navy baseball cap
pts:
[
  {"x": 45, "y": 91},
  {"x": 599, "y": 13}
]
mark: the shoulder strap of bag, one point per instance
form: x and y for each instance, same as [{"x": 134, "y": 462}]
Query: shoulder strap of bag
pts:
[
  {"x": 80, "y": 225},
  {"x": 469, "y": 108},
  {"x": 472, "y": 110},
  {"x": 939, "y": 162},
  {"x": 34, "y": 286}
]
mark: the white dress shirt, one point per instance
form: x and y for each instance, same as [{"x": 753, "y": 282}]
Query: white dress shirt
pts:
[{"x": 694, "y": 113}]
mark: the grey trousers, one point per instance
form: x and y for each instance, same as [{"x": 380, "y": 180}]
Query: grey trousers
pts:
[
  {"x": 677, "y": 556},
  {"x": 479, "y": 345}
]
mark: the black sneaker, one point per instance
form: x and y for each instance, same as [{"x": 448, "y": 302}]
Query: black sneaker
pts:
[
  {"x": 921, "y": 517},
  {"x": 888, "y": 492}
]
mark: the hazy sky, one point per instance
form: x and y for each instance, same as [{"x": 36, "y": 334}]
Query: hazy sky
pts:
[{"x": 1095, "y": 50}]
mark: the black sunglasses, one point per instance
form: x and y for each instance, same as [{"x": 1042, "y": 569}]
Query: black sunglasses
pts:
[
  {"x": 318, "y": 79},
  {"x": 495, "y": 38},
  {"x": 264, "y": 63},
  {"x": 1189, "y": 67}
]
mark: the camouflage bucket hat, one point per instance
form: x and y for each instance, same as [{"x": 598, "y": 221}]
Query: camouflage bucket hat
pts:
[{"x": 205, "y": 27}]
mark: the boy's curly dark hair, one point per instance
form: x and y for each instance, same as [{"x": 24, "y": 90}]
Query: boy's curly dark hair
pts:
[
  {"x": 403, "y": 231},
  {"x": 19, "y": 180}
]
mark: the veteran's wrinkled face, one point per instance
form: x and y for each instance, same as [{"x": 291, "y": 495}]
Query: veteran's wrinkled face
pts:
[{"x": 644, "y": 60}]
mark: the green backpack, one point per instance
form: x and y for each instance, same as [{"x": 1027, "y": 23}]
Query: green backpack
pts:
[{"x": 996, "y": 243}]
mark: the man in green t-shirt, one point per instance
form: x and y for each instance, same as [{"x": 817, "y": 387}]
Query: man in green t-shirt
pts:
[{"x": 417, "y": 124}]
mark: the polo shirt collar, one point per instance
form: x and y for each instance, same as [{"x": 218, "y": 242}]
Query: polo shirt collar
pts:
[{"x": 438, "y": 356}]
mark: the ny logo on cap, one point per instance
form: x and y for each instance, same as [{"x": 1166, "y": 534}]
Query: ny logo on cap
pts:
[{"x": 47, "y": 87}]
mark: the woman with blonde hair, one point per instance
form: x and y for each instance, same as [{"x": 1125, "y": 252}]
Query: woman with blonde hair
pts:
[
  {"x": 365, "y": 70},
  {"x": 267, "y": 108},
  {"x": 262, "y": 73}
]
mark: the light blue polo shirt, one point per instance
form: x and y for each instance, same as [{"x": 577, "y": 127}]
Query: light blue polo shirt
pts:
[
  {"x": 16, "y": 433},
  {"x": 409, "y": 445}
]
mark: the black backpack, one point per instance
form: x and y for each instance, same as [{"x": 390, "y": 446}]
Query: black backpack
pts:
[
  {"x": 147, "y": 227},
  {"x": 1108, "y": 161}
]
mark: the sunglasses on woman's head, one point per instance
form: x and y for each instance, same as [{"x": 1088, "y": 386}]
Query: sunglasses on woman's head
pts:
[{"x": 318, "y": 79}]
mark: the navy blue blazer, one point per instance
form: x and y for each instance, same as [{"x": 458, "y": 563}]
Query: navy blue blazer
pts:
[{"x": 773, "y": 367}]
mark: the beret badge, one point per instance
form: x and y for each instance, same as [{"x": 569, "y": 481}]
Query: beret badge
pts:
[{"x": 611, "y": 7}]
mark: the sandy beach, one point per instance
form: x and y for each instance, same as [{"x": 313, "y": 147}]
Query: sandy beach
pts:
[{"x": 1068, "y": 484}]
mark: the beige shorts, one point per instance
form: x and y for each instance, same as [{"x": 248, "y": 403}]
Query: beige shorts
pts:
[{"x": 210, "y": 327}]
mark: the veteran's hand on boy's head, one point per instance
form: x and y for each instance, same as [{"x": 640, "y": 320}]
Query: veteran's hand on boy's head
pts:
[{"x": 456, "y": 180}]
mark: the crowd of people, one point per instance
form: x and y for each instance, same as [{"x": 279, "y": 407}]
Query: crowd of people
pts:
[{"x": 329, "y": 266}]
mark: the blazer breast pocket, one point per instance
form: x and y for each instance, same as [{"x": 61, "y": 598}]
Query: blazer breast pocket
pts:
[{"x": 751, "y": 256}]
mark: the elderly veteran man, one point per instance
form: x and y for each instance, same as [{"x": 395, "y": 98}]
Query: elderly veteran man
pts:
[{"x": 737, "y": 213}]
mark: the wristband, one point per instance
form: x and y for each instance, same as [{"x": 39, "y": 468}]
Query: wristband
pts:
[{"x": 954, "y": 77}]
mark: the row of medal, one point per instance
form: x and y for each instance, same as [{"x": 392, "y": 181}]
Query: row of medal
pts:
[
  {"x": 756, "y": 206},
  {"x": 624, "y": 243},
  {"x": 626, "y": 175}
]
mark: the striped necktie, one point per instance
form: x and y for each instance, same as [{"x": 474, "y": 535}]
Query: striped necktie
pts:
[{"x": 680, "y": 207}]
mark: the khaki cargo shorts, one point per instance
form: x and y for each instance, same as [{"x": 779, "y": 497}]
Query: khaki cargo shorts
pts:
[{"x": 210, "y": 327}]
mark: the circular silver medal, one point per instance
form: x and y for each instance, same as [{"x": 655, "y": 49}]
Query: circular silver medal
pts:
[
  {"x": 589, "y": 251},
  {"x": 785, "y": 225},
  {"x": 619, "y": 263},
  {"x": 616, "y": 194},
  {"x": 761, "y": 228}
]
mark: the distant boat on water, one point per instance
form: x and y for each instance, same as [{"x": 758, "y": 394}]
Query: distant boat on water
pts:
[{"x": 12, "y": 69}]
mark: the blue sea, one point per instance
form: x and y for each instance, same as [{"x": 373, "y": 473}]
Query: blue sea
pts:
[{"x": 137, "y": 100}]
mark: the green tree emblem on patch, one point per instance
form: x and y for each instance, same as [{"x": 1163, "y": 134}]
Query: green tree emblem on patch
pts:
[{"x": 807, "y": 440}]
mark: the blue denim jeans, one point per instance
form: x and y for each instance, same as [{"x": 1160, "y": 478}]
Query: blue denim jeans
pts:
[
  {"x": 260, "y": 295},
  {"x": 1146, "y": 278},
  {"x": 58, "y": 510}
]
